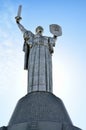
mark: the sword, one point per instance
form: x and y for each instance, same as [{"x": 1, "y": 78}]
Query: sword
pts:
[{"x": 18, "y": 17}]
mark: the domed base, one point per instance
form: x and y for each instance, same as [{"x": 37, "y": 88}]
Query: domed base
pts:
[
  {"x": 39, "y": 106},
  {"x": 40, "y": 111}
]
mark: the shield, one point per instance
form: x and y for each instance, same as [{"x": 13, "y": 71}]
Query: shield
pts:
[{"x": 55, "y": 30}]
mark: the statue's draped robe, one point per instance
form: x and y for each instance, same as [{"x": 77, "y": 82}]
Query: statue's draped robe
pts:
[
  {"x": 40, "y": 65},
  {"x": 39, "y": 62}
]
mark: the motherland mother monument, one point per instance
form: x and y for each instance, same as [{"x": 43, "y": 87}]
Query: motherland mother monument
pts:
[{"x": 40, "y": 109}]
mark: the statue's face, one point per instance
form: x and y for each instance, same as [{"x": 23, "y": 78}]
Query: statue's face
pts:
[{"x": 39, "y": 30}]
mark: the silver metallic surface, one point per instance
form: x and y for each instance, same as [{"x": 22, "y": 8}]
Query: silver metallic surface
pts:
[
  {"x": 18, "y": 17},
  {"x": 19, "y": 11},
  {"x": 38, "y": 57}
]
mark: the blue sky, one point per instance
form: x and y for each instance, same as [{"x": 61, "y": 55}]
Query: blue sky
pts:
[{"x": 69, "y": 59}]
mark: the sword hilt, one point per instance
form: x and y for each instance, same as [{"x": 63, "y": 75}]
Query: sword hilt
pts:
[{"x": 18, "y": 18}]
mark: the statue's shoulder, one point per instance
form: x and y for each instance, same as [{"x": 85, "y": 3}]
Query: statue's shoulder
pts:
[
  {"x": 28, "y": 33},
  {"x": 45, "y": 37}
]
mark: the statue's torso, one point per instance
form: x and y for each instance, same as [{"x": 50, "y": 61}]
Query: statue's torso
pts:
[{"x": 38, "y": 40}]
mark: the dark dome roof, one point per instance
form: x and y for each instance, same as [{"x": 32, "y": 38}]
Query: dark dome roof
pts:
[{"x": 40, "y": 106}]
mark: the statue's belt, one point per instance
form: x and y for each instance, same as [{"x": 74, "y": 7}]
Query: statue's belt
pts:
[{"x": 43, "y": 44}]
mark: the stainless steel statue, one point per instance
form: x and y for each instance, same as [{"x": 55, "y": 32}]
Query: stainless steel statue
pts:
[{"x": 38, "y": 55}]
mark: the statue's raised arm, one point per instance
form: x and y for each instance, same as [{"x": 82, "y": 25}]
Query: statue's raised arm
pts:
[
  {"x": 27, "y": 35},
  {"x": 25, "y": 32},
  {"x": 18, "y": 18}
]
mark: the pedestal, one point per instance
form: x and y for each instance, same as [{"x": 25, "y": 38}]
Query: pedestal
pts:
[{"x": 40, "y": 111}]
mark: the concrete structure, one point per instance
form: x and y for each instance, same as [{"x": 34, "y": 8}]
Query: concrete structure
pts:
[{"x": 40, "y": 111}]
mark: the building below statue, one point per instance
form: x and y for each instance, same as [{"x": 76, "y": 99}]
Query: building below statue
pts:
[{"x": 40, "y": 111}]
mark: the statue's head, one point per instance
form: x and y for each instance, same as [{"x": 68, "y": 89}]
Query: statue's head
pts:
[{"x": 39, "y": 30}]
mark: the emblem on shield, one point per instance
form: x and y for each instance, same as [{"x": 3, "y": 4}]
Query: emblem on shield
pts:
[{"x": 55, "y": 29}]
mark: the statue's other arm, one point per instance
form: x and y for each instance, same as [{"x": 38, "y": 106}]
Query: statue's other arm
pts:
[{"x": 52, "y": 41}]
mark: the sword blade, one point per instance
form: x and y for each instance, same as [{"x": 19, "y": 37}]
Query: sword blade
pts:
[{"x": 19, "y": 11}]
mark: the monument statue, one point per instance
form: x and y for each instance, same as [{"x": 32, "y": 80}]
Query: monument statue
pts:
[
  {"x": 38, "y": 55},
  {"x": 41, "y": 109}
]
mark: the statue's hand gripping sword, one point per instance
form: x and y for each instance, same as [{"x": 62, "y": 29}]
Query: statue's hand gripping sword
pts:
[{"x": 18, "y": 17}]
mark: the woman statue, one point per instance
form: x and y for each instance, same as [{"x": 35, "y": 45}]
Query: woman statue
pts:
[{"x": 38, "y": 58}]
